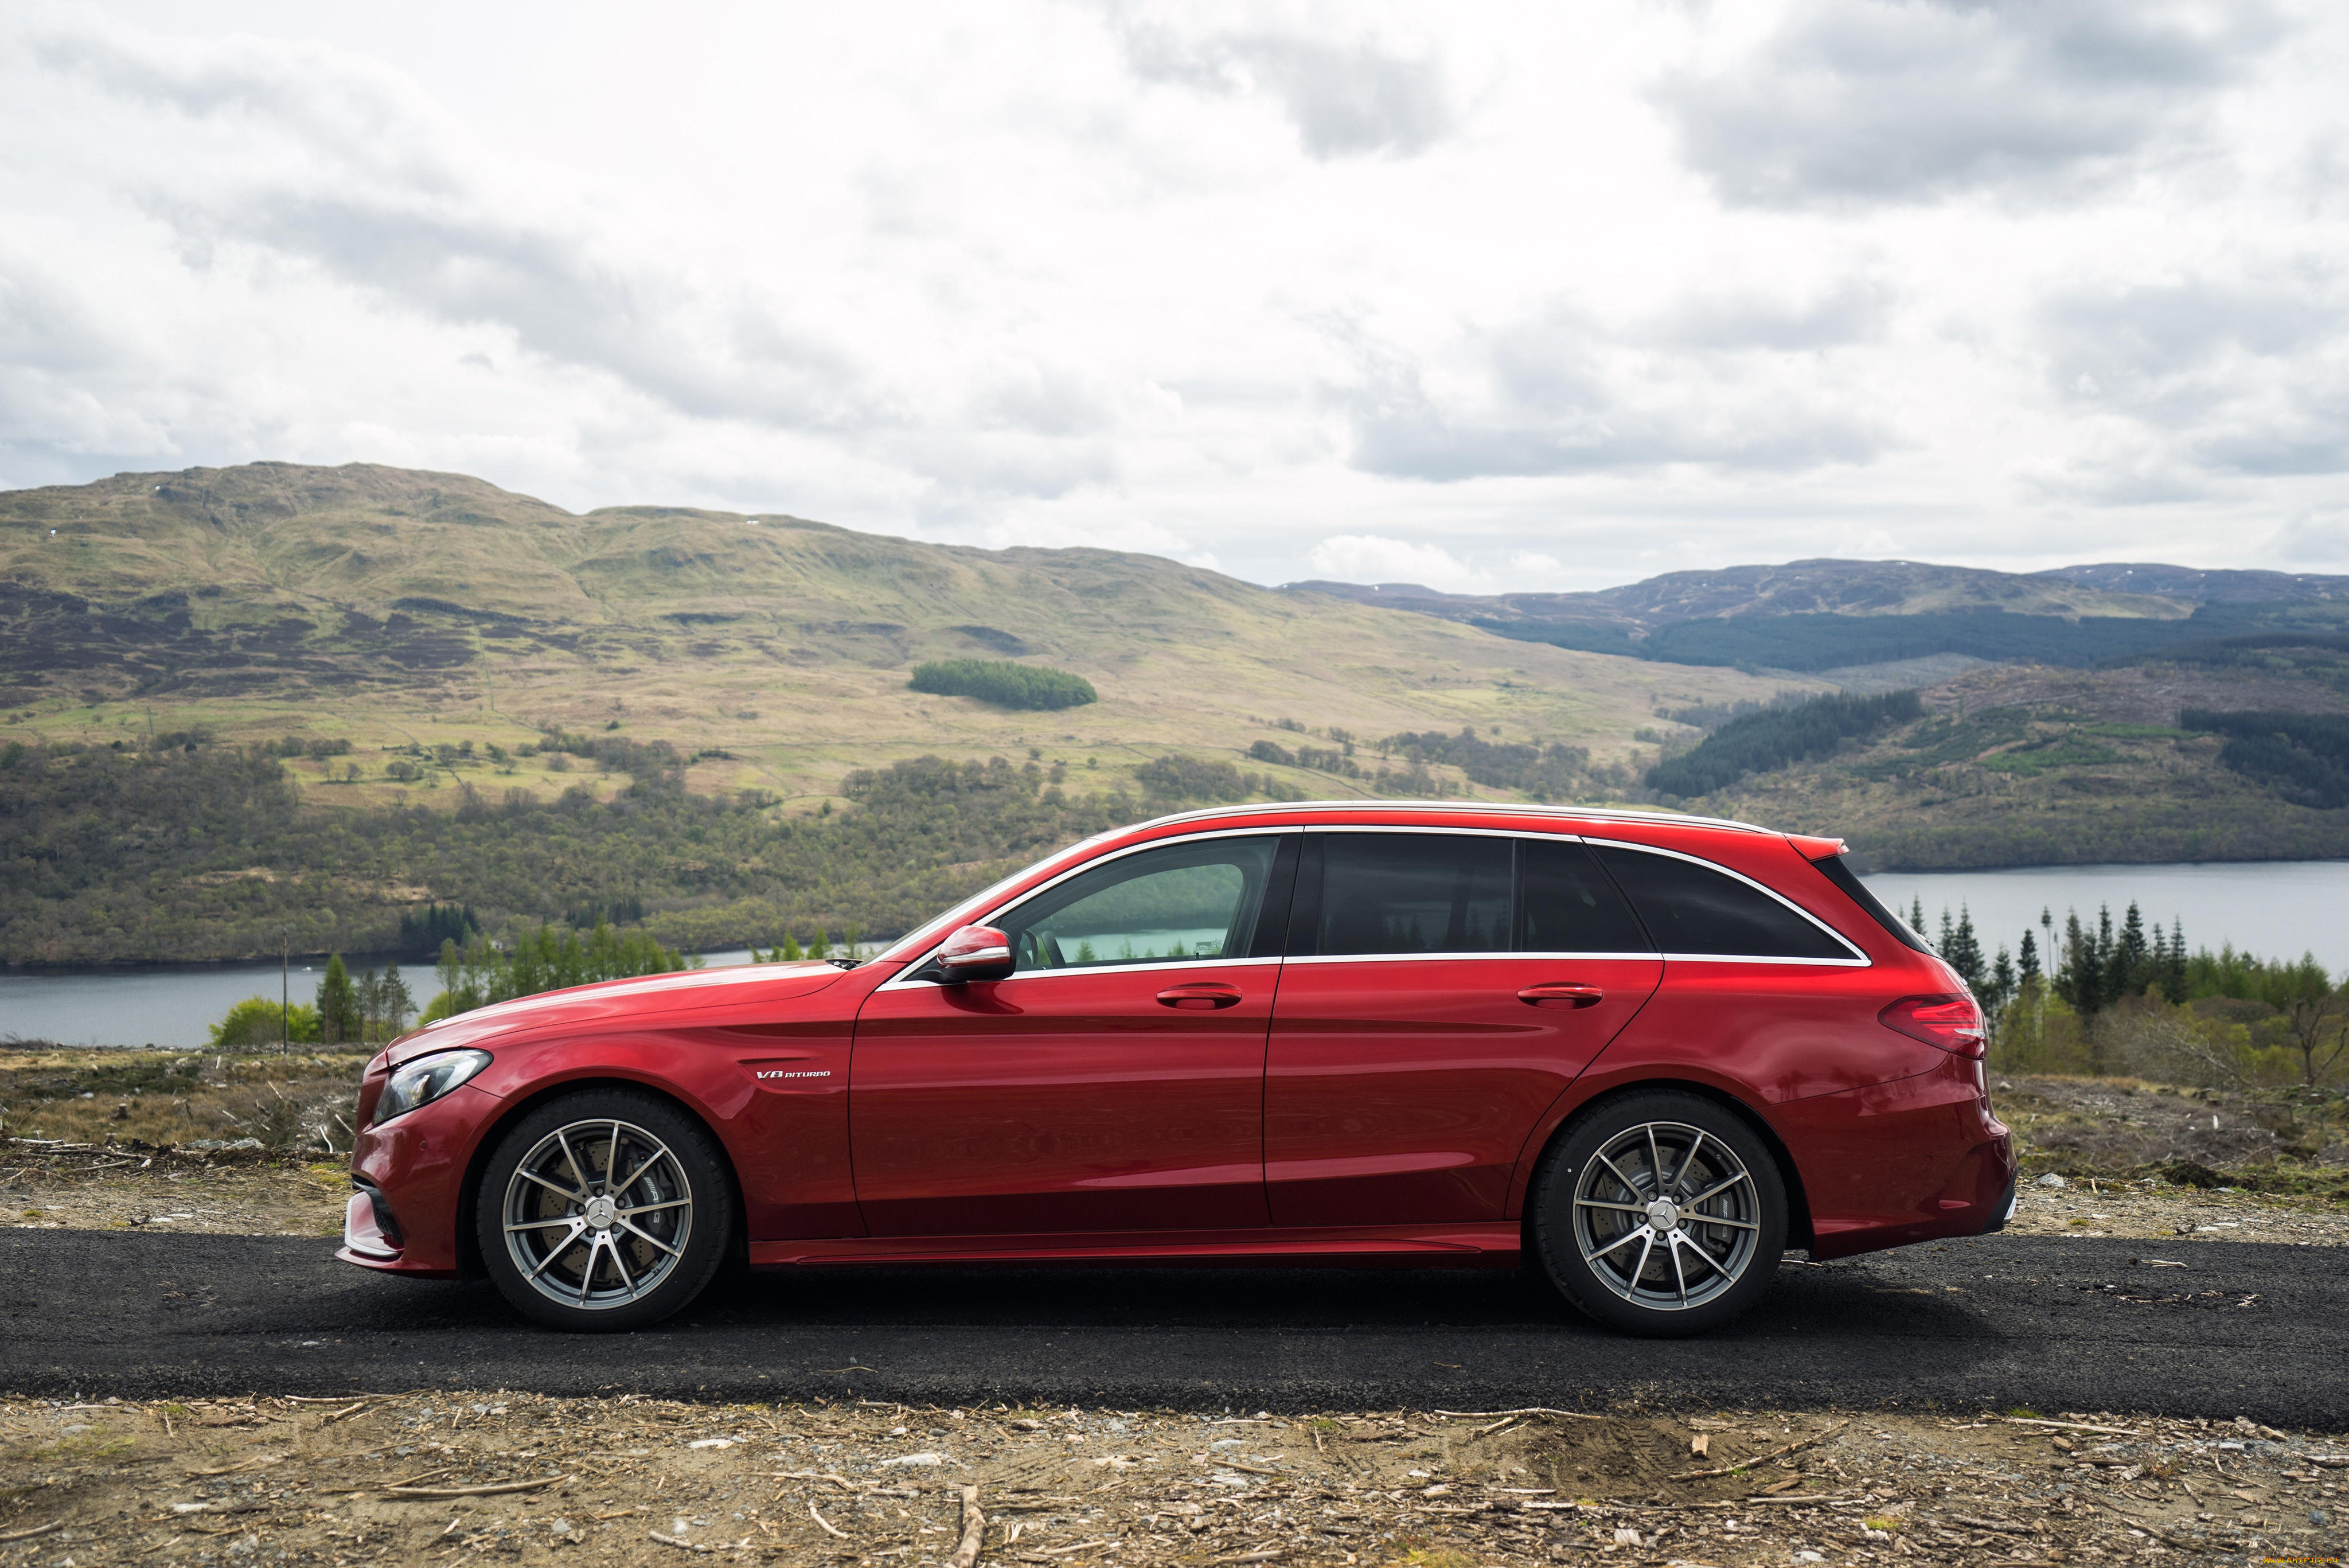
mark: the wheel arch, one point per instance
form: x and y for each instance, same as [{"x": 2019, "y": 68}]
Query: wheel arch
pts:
[
  {"x": 468, "y": 1240},
  {"x": 1799, "y": 1233}
]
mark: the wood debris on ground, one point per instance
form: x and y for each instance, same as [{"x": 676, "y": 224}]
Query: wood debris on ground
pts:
[{"x": 446, "y": 1476}]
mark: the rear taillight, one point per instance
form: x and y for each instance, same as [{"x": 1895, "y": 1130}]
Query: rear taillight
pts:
[{"x": 1949, "y": 1020}]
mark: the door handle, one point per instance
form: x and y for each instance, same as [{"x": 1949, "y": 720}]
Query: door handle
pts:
[
  {"x": 1200, "y": 996},
  {"x": 1561, "y": 993}
]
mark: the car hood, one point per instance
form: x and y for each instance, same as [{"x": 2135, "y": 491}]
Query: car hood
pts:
[{"x": 606, "y": 1000}]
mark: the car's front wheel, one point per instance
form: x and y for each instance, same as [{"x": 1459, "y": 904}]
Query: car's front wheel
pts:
[
  {"x": 1659, "y": 1212},
  {"x": 604, "y": 1210}
]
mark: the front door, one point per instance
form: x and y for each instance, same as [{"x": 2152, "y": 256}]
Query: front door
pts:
[
  {"x": 1441, "y": 990},
  {"x": 1114, "y": 1082}
]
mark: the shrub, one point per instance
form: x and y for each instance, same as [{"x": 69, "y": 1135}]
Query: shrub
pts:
[
  {"x": 256, "y": 1020},
  {"x": 1003, "y": 683},
  {"x": 1188, "y": 778}
]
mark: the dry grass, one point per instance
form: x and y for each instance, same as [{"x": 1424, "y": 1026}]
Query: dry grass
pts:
[
  {"x": 299, "y": 1103},
  {"x": 629, "y": 1480}
]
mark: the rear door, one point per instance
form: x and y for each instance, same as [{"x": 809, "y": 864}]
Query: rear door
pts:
[{"x": 1441, "y": 988}]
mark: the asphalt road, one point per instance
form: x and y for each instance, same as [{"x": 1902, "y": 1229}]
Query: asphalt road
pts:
[{"x": 1998, "y": 1322}]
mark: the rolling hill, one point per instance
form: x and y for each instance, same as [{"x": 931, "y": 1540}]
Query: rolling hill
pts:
[
  {"x": 387, "y": 607},
  {"x": 272, "y": 702}
]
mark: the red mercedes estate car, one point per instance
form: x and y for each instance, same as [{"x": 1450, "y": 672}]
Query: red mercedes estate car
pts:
[{"x": 1644, "y": 1053}]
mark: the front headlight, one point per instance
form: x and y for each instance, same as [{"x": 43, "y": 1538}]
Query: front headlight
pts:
[{"x": 426, "y": 1079}]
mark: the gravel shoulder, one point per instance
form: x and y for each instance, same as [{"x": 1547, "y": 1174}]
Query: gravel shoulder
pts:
[{"x": 628, "y": 1480}]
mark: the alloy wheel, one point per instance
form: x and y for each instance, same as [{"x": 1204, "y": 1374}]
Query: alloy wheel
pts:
[
  {"x": 597, "y": 1214},
  {"x": 1666, "y": 1216}
]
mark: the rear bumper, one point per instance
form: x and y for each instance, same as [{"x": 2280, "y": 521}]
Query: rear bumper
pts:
[
  {"x": 2005, "y": 1204},
  {"x": 1918, "y": 1160}
]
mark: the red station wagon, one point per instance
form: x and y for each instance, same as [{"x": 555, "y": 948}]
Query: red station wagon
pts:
[{"x": 1646, "y": 1054}]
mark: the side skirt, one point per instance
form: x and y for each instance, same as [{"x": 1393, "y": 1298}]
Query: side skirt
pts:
[{"x": 1483, "y": 1246}]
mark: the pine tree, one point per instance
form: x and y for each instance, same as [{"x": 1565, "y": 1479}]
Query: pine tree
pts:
[
  {"x": 338, "y": 1010},
  {"x": 393, "y": 1003},
  {"x": 2079, "y": 978},
  {"x": 2028, "y": 961},
  {"x": 2128, "y": 966},
  {"x": 2002, "y": 986},
  {"x": 1917, "y": 916},
  {"x": 367, "y": 994},
  {"x": 1964, "y": 950}
]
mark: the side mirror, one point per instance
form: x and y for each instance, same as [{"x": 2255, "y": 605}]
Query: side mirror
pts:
[{"x": 976, "y": 952}]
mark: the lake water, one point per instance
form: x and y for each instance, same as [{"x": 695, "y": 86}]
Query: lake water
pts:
[
  {"x": 171, "y": 1005},
  {"x": 2275, "y": 908}
]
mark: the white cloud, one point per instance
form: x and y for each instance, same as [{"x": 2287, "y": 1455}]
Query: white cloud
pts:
[
  {"x": 1904, "y": 101},
  {"x": 1370, "y": 558},
  {"x": 1617, "y": 290},
  {"x": 2318, "y": 539},
  {"x": 1347, "y": 95}
]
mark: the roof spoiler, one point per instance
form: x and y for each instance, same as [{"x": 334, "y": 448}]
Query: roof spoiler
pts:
[{"x": 1817, "y": 850}]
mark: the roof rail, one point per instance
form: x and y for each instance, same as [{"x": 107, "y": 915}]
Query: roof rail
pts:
[{"x": 1586, "y": 814}]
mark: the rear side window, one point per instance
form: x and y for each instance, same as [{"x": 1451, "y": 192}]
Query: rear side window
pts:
[
  {"x": 1691, "y": 909},
  {"x": 1569, "y": 906},
  {"x": 1413, "y": 893}
]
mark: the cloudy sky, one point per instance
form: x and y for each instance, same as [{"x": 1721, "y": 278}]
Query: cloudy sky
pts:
[{"x": 1481, "y": 295}]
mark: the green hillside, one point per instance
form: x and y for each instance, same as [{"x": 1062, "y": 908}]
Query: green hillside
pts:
[
  {"x": 2024, "y": 766},
  {"x": 388, "y": 607},
  {"x": 239, "y": 701}
]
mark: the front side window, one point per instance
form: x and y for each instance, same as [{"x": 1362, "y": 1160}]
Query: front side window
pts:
[
  {"x": 1182, "y": 903},
  {"x": 1413, "y": 893},
  {"x": 1691, "y": 909}
]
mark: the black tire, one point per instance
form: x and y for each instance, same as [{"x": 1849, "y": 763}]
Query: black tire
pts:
[
  {"x": 1596, "y": 1232},
  {"x": 648, "y": 1251}
]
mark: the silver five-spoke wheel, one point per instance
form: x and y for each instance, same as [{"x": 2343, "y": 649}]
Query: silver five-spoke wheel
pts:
[
  {"x": 1666, "y": 1216},
  {"x": 597, "y": 1214}
]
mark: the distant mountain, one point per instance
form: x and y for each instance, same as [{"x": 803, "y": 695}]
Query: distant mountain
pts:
[
  {"x": 2195, "y": 585},
  {"x": 1828, "y": 616}
]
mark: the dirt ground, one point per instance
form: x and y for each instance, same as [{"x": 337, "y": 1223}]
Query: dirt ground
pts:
[
  {"x": 625, "y": 1480},
  {"x": 2280, "y": 1138}
]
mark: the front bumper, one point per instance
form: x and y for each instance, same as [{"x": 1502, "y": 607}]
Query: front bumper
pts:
[{"x": 411, "y": 1176}]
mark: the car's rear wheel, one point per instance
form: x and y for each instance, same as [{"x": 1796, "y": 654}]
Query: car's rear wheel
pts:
[
  {"x": 1659, "y": 1212},
  {"x": 604, "y": 1210}
]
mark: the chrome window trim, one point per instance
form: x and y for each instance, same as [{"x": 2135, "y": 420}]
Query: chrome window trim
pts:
[
  {"x": 903, "y": 980},
  {"x": 902, "y": 983},
  {"x": 970, "y": 907},
  {"x": 1486, "y": 956},
  {"x": 1857, "y": 960},
  {"x": 1415, "y": 827}
]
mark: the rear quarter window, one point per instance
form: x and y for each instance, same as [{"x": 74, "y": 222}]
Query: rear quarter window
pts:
[{"x": 1691, "y": 909}]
